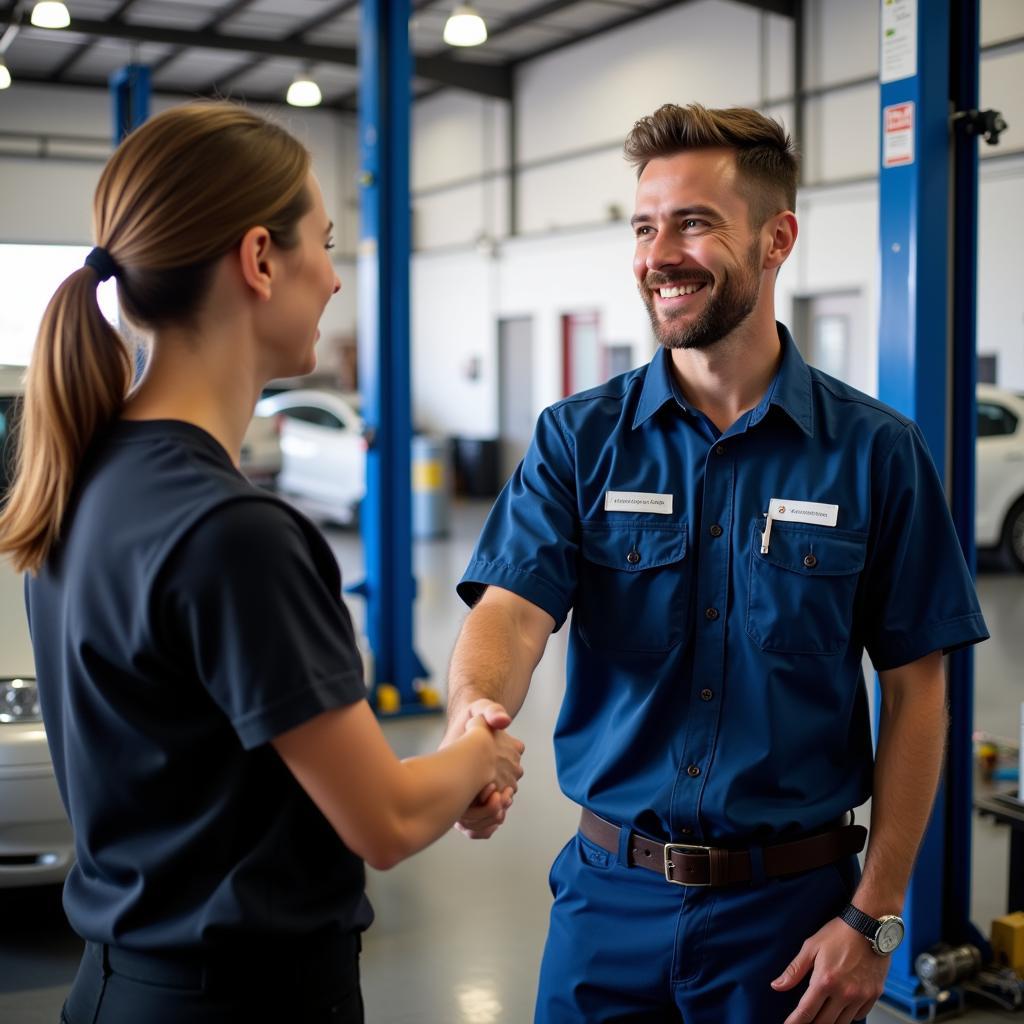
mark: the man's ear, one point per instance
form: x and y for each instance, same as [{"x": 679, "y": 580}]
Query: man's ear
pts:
[
  {"x": 254, "y": 261},
  {"x": 782, "y": 229}
]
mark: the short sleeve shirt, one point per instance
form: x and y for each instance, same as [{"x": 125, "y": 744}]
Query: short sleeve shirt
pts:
[
  {"x": 714, "y": 689},
  {"x": 184, "y": 620}
]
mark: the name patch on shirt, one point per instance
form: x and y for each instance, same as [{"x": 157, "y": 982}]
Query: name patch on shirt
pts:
[
  {"x": 784, "y": 510},
  {"x": 638, "y": 501}
]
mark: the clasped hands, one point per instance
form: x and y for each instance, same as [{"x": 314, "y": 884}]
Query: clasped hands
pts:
[{"x": 482, "y": 818}]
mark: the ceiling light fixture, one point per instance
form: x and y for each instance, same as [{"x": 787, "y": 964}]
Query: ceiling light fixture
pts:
[
  {"x": 5, "y": 76},
  {"x": 50, "y": 14},
  {"x": 464, "y": 27},
  {"x": 304, "y": 92}
]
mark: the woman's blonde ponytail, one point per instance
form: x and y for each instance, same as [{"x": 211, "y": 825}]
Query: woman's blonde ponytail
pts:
[{"x": 77, "y": 381}]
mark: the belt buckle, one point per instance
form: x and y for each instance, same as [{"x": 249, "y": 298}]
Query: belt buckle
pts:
[{"x": 683, "y": 847}]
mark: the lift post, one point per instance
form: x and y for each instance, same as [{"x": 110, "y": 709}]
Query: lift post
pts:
[
  {"x": 130, "y": 90},
  {"x": 927, "y": 370},
  {"x": 385, "y": 69}
]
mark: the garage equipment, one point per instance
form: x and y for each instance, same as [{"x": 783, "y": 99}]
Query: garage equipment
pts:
[
  {"x": 928, "y": 193},
  {"x": 385, "y": 70}
]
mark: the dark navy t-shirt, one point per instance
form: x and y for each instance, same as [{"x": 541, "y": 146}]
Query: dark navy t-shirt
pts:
[{"x": 183, "y": 621}]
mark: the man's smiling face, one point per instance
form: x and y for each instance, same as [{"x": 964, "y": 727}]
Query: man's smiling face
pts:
[{"x": 698, "y": 262}]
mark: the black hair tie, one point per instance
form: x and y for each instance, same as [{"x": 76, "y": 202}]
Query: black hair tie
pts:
[{"x": 103, "y": 263}]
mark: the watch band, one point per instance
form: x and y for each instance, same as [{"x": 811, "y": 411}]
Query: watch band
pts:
[{"x": 861, "y": 922}]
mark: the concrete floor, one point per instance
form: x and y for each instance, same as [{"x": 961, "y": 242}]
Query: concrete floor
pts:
[{"x": 460, "y": 928}]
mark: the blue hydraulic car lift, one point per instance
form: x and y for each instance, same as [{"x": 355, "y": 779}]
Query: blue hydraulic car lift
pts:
[
  {"x": 928, "y": 183},
  {"x": 385, "y": 70},
  {"x": 130, "y": 91}
]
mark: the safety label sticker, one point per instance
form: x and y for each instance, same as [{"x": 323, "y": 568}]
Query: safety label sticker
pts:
[
  {"x": 898, "y": 135},
  {"x": 899, "y": 40}
]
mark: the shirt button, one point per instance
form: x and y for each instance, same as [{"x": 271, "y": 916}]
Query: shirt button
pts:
[
  {"x": 715, "y": 531},
  {"x": 810, "y": 561},
  {"x": 633, "y": 557},
  {"x": 693, "y": 771},
  {"x": 719, "y": 449},
  {"x": 711, "y": 614},
  {"x": 706, "y": 694},
  {"x": 686, "y": 831}
]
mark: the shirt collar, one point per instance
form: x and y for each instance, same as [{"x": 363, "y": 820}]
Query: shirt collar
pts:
[
  {"x": 790, "y": 390},
  {"x": 659, "y": 387}
]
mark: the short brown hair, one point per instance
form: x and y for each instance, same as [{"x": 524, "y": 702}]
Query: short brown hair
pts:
[
  {"x": 766, "y": 158},
  {"x": 177, "y": 194}
]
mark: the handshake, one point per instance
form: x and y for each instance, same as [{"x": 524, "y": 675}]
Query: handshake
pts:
[{"x": 482, "y": 818}]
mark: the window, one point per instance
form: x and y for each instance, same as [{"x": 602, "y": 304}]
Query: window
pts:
[
  {"x": 312, "y": 414},
  {"x": 988, "y": 369},
  {"x": 995, "y": 420},
  {"x": 31, "y": 274}
]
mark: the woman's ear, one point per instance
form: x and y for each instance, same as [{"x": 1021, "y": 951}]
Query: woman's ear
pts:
[{"x": 254, "y": 260}]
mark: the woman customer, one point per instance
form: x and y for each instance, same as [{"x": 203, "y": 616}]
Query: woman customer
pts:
[{"x": 202, "y": 691}]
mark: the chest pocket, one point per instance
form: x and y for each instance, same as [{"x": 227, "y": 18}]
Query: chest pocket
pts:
[
  {"x": 634, "y": 586},
  {"x": 801, "y": 594}
]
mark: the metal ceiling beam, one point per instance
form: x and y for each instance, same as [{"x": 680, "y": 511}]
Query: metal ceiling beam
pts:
[
  {"x": 786, "y": 8},
  {"x": 218, "y": 19},
  {"x": 210, "y": 39},
  {"x": 332, "y": 12},
  {"x": 531, "y": 16},
  {"x": 487, "y": 79},
  {"x": 185, "y": 94},
  {"x": 350, "y": 100},
  {"x": 85, "y": 47}
]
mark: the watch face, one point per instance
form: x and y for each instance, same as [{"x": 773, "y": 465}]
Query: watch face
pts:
[{"x": 890, "y": 934}]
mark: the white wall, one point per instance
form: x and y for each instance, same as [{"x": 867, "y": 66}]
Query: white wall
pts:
[
  {"x": 574, "y": 108},
  {"x": 837, "y": 251},
  {"x": 50, "y": 200}
]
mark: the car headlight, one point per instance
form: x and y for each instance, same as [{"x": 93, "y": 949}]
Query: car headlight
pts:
[{"x": 19, "y": 701}]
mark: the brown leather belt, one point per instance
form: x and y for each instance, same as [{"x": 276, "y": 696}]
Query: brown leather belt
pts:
[{"x": 693, "y": 864}]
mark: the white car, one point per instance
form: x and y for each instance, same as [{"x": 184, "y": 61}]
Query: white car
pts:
[
  {"x": 36, "y": 843},
  {"x": 323, "y": 451},
  {"x": 1000, "y": 455}
]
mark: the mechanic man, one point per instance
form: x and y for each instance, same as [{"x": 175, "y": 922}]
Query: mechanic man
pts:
[{"x": 731, "y": 530}]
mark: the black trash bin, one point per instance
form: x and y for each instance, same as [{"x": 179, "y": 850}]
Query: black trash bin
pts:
[{"x": 475, "y": 462}]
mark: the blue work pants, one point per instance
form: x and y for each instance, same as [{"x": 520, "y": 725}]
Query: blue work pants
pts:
[{"x": 625, "y": 945}]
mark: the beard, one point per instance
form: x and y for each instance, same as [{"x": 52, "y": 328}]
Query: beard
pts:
[{"x": 730, "y": 302}]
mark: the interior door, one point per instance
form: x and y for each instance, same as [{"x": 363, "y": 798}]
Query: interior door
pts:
[
  {"x": 831, "y": 333},
  {"x": 515, "y": 391}
]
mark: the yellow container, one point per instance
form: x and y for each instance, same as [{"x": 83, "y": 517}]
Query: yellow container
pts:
[{"x": 1008, "y": 941}]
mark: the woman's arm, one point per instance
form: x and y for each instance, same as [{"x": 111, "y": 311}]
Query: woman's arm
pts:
[{"x": 385, "y": 809}]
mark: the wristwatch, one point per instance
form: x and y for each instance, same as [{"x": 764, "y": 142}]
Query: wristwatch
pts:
[{"x": 884, "y": 934}]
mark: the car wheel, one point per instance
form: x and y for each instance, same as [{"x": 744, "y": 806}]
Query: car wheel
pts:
[{"x": 1013, "y": 535}]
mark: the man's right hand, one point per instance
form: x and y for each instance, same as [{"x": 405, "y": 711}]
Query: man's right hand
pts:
[{"x": 483, "y": 817}]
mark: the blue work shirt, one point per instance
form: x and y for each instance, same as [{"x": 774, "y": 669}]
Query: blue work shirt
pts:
[{"x": 712, "y": 690}]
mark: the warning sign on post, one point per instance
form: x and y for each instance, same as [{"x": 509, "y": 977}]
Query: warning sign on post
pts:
[{"x": 898, "y": 135}]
